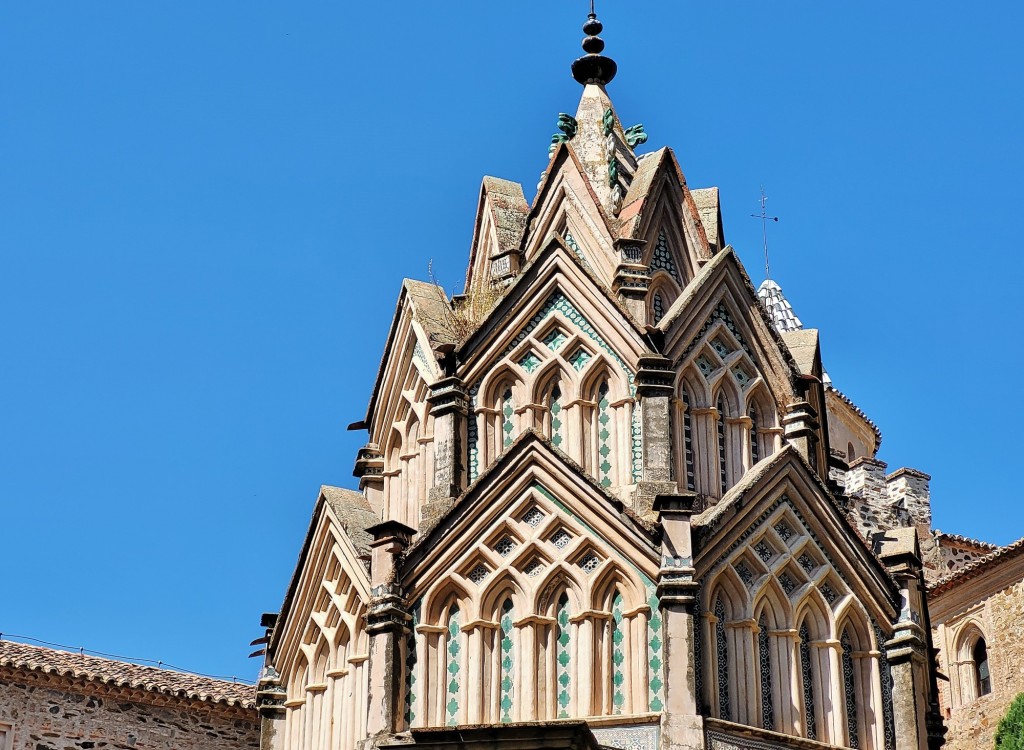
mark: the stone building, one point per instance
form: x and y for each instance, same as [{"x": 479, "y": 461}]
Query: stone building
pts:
[
  {"x": 609, "y": 497},
  {"x": 56, "y": 700},
  {"x": 978, "y": 614}
]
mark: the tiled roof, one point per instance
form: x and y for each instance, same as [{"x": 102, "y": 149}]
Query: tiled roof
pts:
[
  {"x": 956, "y": 540},
  {"x": 190, "y": 687},
  {"x": 858, "y": 411},
  {"x": 778, "y": 307},
  {"x": 977, "y": 567}
]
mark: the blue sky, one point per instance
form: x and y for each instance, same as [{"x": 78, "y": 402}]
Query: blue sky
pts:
[{"x": 206, "y": 210}]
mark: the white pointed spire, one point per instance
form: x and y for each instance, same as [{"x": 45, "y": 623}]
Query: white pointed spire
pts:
[{"x": 778, "y": 307}]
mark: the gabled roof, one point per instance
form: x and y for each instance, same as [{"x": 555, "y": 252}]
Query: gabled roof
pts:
[
  {"x": 165, "y": 682},
  {"x": 842, "y": 397},
  {"x": 733, "y": 505},
  {"x": 352, "y": 514},
  {"x": 527, "y": 448},
  {"x": 521, "y": 294},
  {"x": 644, "y": 187},
  {"x": 505, "y": 204},
  {"x": 706, "y": 283},
  {"x": 431, "y": 309}
]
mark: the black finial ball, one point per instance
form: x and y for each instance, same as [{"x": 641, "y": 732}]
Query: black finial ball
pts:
[
  {"x": 593, "y": 45},
  {"x": 592, "y": 27}
]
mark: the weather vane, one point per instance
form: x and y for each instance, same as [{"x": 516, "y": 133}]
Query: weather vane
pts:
[{"x": 765, "y": 218}]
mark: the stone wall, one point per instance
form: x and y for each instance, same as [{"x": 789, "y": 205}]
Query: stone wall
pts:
[
  {"x": 994, "y": 605},
  {"x": 50, "y": 712}
]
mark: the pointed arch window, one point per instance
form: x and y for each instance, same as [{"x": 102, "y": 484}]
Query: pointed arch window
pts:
[
  {"x": 849, "y": 690},
  {"x": 807, "y": 683},
  {"x": 657, "y": 308},
  {"x": 453, "y": 669},
  {"x": 619, "y": 684},
  {"x": 722, "y": 660},
  {"x": 720, "y": 427},
  {"x": 755, "y": 453},
  {"x": 604, "y": 424},
  {"x": 563, "y": 644},
  {"x": 506, "y": 655},
  {"x": 555, "y": 415},
  {"x": 982, "y": 675},
  {"x": 764, "y": 662},
  {"x": 688, "y": 440},
  {"x": 507, "y": 412}
]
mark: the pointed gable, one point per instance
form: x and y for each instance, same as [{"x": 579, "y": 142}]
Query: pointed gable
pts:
[
  {"x": 721, "y": 295},
  {"x": 659, "y": 200},
  {"x": 779, "y": 532},
  {"x": 500, "y": 224},
  {"x": 568, "y": 207},
  {"x": 533, "y": 554},
  {"x": 322, "y": 620},
  {"x": 559, "y": 354}
]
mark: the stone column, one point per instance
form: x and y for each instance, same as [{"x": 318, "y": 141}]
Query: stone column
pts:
[
  {"x": 632, "y": 279},
  {"x": 682, "y": 725},
  {"x": 654, "y": 386},
  {"x": 918, "y": 722},
  {"x": 369, "y": 469},
  {"x": 449, "y": 406},
  {"x": 387, "y": 624},
  {"x": 800, "y": 423}
]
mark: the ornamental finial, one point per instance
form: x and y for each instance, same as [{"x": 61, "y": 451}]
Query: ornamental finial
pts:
[{"x": 593, "y": 67}]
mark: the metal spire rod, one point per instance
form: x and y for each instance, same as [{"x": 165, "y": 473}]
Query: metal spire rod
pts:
[{"x": 765, "y": 218}]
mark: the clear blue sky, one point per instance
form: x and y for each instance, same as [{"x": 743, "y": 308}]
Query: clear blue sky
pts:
[{"x": 206, "y": 210}]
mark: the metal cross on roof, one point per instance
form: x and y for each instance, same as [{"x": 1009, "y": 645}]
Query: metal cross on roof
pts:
[{"x": 765, "y": 218}]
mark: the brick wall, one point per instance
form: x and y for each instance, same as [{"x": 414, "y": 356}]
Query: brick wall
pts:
[{"x": 55, "y": 713}]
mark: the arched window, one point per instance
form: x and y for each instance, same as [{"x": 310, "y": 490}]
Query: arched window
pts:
[
  {"x": 620, "y": 683},
  {"x": 722, "y": 660},
  {"x": 555, "y": 416},
  {"x": 851, "y": 454},
  {"x": 764, "y": 661},
  {"x": 720, "y": 427},
  {"x": 601, "y": 465},
  {"x": 563, "y": 656},
  {"x": 657, "y": 308},
  {"x": 688, "y": 439},
  {"x": 506, "y": 656},
  {"x": 807, "y": 683},
  {"x": 755, "y": 453},
  {"x": 453, "y": 668},
  {"x": 507, "y": 412},
  {"x": 982, "y": 677},
  {"x": 849, "y": 691}
]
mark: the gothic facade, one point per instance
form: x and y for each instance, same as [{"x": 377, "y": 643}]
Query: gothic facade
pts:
[{"x": 609, "y": 497}]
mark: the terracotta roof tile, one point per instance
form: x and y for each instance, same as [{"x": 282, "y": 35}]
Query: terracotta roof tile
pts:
[
  {"x": 168, "y": 682},
  {"x": 977, "y": 567}
]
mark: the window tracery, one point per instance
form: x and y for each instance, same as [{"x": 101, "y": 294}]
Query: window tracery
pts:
[
  {"x": 765, "y": 672},
  {"x": 752, "y": 610},
  {"x": 585, "y": 601},
  {"x": 729, "y": 406},
  {"x": 807, "y": 683}
]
